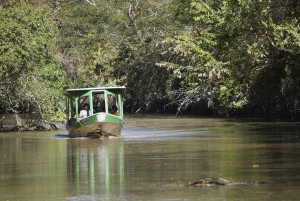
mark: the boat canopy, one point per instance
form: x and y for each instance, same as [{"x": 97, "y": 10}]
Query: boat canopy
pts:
[{"x": 80, "y": 90}]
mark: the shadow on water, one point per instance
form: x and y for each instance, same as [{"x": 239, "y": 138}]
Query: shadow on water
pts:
[{"x": 61, "y": 136}]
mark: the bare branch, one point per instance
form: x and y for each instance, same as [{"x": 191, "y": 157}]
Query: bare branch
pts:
[
  {"x": 3, "y": 117},
  {"x": 91, "y": 2},
  {"x": 159, "y": 33},
  {"x": 133, "y": 13}
]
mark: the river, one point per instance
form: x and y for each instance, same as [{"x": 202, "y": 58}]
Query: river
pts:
[{"x": 154, "y": 156}]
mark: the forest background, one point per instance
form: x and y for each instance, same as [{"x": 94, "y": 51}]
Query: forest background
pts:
[{"x": 201, "y": 57}]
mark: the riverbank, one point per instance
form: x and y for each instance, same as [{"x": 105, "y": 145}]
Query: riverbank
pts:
[
  {"x": 24, "y": 122},
  {"x": 9, "y": 122}
]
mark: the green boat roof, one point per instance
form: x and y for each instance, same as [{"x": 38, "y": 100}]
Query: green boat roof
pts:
[{"x": 97, "y": 88}]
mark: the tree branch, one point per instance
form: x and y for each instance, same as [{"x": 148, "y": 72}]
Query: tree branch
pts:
[
  {"x": 159, "y": 33},
  {"x": 91, "y": 2},
  {"x": 132, "y": 14}
]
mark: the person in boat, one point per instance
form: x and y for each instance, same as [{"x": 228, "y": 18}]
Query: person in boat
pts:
[
  {"x": 85, "y": 112},
  {"x": 114, "y": 110}
]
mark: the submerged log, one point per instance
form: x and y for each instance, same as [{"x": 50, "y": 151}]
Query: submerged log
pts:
[
  {"x": 223, "y": 182},
  {"x": 28, "y": 124},
  {"x": 209, "y": 182},
  {"x": 29, "y": 127},
  {"x": 9, "y": 129}
]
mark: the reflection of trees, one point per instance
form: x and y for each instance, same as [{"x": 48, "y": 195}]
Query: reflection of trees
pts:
[
  {"x": 93, "y": 163},
  {"x": 40, "y": 168},
  {"x": 172, "y": 160},
  {"x": 32, "y": 166},
  {"x": 253, "y": 150}
]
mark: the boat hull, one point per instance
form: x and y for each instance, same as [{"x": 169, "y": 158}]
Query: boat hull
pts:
[{"x": 96, "y": 126}]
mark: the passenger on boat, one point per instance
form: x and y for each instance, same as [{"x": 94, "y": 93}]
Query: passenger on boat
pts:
[
  {"x": 85, "y": 112},
  {"x": 114, "y": 110}
]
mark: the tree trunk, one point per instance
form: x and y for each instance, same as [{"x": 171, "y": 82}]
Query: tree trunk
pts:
[{"x": 19, "y": 121}]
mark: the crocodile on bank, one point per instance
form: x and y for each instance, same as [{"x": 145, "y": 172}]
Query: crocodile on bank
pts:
[{"x": 217, "y": 182}]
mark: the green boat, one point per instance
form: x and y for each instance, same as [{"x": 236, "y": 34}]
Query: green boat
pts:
[{"x": 94, "y": 112}]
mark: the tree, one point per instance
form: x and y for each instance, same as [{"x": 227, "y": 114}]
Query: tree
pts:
[
  {"x": 30, "y": 77},
  {"x": 118, "y": 49},
  {"x": 256, "y": 43}
]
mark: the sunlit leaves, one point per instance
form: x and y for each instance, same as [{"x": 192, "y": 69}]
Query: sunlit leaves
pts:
[
  {"x": 227, "y": 54},
  {"x": 232, "y": 46},
  {"x": 30, "y": 78}
]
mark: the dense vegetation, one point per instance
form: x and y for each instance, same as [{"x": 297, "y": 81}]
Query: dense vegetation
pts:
[{"x": 223, "y": 57}]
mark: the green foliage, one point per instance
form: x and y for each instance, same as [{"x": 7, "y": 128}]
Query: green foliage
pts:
[
  {"x": 98, "y": 70},
  {"x": 227, "y": 55},
  {"x": 246, "y": 45},
  {"x": 30, "y": 78},
  {"x": 130, "y": 47}
]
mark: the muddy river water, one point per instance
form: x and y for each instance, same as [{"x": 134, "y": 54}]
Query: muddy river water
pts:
[{"x": 154, "y": 156}]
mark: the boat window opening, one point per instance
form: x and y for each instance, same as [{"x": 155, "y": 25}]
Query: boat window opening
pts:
[
  {"x": 98, "y": 102},
  {"x": 82, "y": 101},
  {"x": 113, "y": 101},
  {"x": 68, "y": 110}
]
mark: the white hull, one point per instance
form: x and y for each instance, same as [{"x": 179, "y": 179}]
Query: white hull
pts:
[{"x": 98, "y": 129}]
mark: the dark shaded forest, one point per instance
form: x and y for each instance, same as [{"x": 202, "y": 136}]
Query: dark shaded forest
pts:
[{"x": 200, "y": 57}]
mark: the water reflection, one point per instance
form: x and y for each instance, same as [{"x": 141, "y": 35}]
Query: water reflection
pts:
[
  {"x": 94, "y": 163},
  {"x": 30, "y": 167},
  {"x": 152, "y": 153}
]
